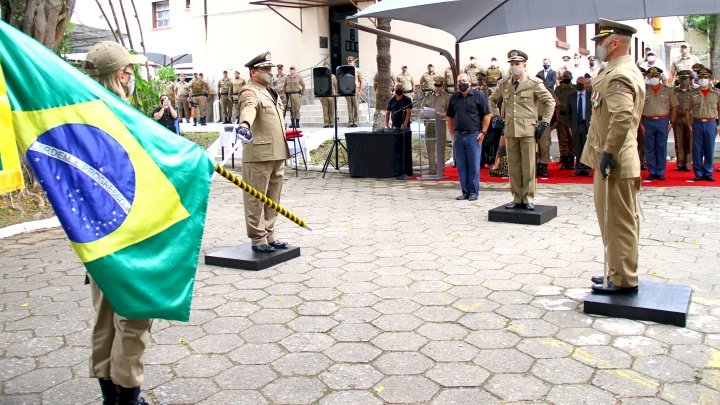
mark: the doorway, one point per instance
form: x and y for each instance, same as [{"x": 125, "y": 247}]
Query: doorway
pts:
[{"x": 343, "y": 40}]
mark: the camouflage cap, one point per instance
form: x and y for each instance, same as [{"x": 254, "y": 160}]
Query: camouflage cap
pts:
[{"x": 108, "y": 57}]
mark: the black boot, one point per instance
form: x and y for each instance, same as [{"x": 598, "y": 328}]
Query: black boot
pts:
[
  {"x": 202, "y": 121},
  {"x": 194, "y": 122},
  {"x": 109, "y": 391},
  {"x": 130, "y": 396},
  {"x": 297, "y": 123},
  {"x": 544, "y": 170},
  {"x": 564, "y": 162}
]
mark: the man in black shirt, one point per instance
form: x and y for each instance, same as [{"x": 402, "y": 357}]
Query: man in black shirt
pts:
[
  {"x": 399, "y": 108},
  {"x": 468, "y": 119}
]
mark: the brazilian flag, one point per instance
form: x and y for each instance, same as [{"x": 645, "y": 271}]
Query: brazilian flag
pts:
[{"x": 130, "y": 195}]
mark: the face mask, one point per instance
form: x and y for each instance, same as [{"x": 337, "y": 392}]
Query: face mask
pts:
[
  {"x": 472, "y": 62},
  {"x": 516, "y": 70},
  {"x": 398, "y": 92},
  {"x": 266, "y": 77},
  {"x": 438, "y": 85},
  {"x": 654, "y": 81},
  {"x": 546, "y": 66},
  {"x": 651, "y": 58},
  {"x": 592, "y": 63},
  {"x": 430, "y": 70},
  {"x": 131, "y": 85},
  {"x": 565, "y": 81},
  {"x": 704, "y": 82},
  {"x": 580, "y": 86},
  {"x": 601, "y": 52},
  {"x": 463, "y": 86},
  {"x": 493, "y": 64}
]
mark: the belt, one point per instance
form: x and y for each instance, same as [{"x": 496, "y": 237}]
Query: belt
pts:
[
  {"x": 704, "y": 119},
  {"x": 407, "y": 91},
  {"x": 466, "y": 133},
  {"x": 199, "y": 95},
  {"x": 655, "y": 117},
  {"x": 223, "y": 94},
  {"x": 293, "y": 92}
]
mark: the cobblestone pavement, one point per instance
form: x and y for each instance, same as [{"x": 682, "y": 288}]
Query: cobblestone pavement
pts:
[{"x": 401, "y": 295}]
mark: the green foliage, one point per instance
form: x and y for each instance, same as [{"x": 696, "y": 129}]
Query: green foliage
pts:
[
  {"x": 63, "y": 46},
  {"x": 167, "y": 74},
  {"x": 702, "y": 23},
  {"x": 147, "y": 93}
]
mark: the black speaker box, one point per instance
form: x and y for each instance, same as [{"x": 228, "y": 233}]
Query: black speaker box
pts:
[
  {"x": 346, "y": 80},
  {"x": 322, "y": 82}
]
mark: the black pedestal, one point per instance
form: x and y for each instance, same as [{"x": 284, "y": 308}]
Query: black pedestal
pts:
[
  {"x": 374, "y": 154},
  {"x": 243, "y": 257},
  {"x": 542, "y": 214},
  {"x": 656, "y": 302}
]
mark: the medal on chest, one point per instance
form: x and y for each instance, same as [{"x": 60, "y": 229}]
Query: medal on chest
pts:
[{"x": 596, "y": 98}]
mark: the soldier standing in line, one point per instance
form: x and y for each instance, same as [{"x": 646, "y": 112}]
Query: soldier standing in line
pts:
[
  {"x": 473, "y": 70},
  {"x": 427, "y": 81},
  {"x": 181, "y": 98},
  {"x": 494, "y": 74},
  {"x": 294, "y": 89},
  {"x": 224, "y": 88},
  {"x": 237, "y": 84},
  {"x": 565, "y": 143},
  {"x": 328, "y": 103},
  {"x": 522, "y": 94},
  {"x": 617, "y": 100},
  {"x": 681, "y": 127},
  {"x": 200, "y": 89},
  {"x": 353, "y": 102},
  {"x": 449, "y": 80},
  {"x": 704, "y": 109},
  {"x": 658, "y": 116},
  {"x": 262, "y": 123},
  {"x": 438, "y": 101},
  {"x": 407, "y": 81}
]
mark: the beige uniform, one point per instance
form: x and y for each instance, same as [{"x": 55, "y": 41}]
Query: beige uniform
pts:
[
  {"x": 565, "y": 142},
  {"x": 494, "y": 75},
  {"x": 439, "y": 103},
  {"x": 659, "y": 104},
  {"x": 521, "y": 120},
  {"x": 237, "y": 85},
  {"x": 182, "y": 91},
  {"x": 407, "y": 82},
  {"x": 449, "y": 80},
  {"x": 474, "y": 71},
  {"x": 617, "y": 102},
  {"x": 263, "y": 159},
  {"x": 681, "y": 63},
  {"x": 294, "y": 87},
  {"x": 224, "y": 90},
  {"x": 352, "y": 101},
  {"x": 543, "y": 152},
  {"x": 681, "y": 128},
  {"x": 200, "y": 90},
  {"x": 427, "y": 81},
  {"x": 328, "y": 104}
]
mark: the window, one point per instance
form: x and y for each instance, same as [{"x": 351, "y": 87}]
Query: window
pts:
[
  {"x": 582, "y": 40},
  {"x": 187, "y": 3},
  {"x": 561, "y": 34},
  {"x": 161, "y": 13}
]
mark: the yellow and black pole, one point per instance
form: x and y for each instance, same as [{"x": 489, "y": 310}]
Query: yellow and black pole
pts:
[{"x": 260, "y": 196}]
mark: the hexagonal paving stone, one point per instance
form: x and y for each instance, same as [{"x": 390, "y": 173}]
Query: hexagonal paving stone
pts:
[
  {"x": 165, "y": 354},
  {"x": 503, "y": 360},
  {"x": 304, "y": 363},
  {"x": 34, "y": 347},
  {"x": 317, "y": 308},
  {"x": 515, "y": 387},
  {"x": 475, "y": 305},
  {"x": 295, "y": 390},
  {"x": 451, "y": 350},
  {"x": 245, "y": 377},
  {"x": 68, "y": 392},
  {"x": 492, "y": 339},
  {"x": 456, "y": 396},
  {"x": 350, "y": 376},
  {"x": 562, "y": 371},
  {"x": 355, "y": 315},
  {"x": 236, "y": 397},
  {"x": 674, "y": 335},
  {"x": 406, "y": 389},
  {"x": 545, "y": 348},
  {"x": 255, "y": 353},
  {"x": 37, "y": 380},
  {"x": 175, "y": 333},
  {"x": 664, "y": 369},
  {"x": 309, "y": 324},
  {"x": 619, "y": 326},
  {"x": 640, "y": 345},
  {"x": 579, "y": 394},
  {"x": 438, "y": 314},
  {"x": 202, "y": 366},
  {"x": 520, "y": 311},
  {"x": 443, "y": 331},
  {"x": 458, "y": 375},
  {"x": 11, "y": 367},
  {"x": 352, "y": 352},
  {"x": 185, "y": 390},
  {"x": 273, "y": 315},
  {"x": 568, "y": 319},
  {"x": 403, "y": 363},
  {"x": 216, "y": 343},
  {"x": 265, "y": 333},
  {"x": 602, "y": 357},
  {"x": 280, "y": 301},
  {"x": 626, "y": 383},
  {"x": 434, "y": 298},
  {"x": 350, "y": 398},
  {"x": 354, "y": 332},
  {"x": 510, "y": 297},
  {"x": 690, "y": 394},
  {"x": 532, "y": 328},
  {"x": 236, "y": 309},
  {"x": 483, "y": 321},
  {"x": 696, "y": 355},
  {"x": 394, "y": 307},
  {"x": 397, "y": 323},
  {"x": 307, "y": 342},
  {"x": 583, "y": 336},
  {"x": 63, "y": 357},
  {"x": 399, "y": 341}
]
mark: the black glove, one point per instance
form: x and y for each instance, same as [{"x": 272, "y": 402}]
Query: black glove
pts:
[
  {"x": 606, "y": 163},
  {"x": 498, "y": 123},
  {"x": 244, "y": 135},
  {"x": 540, "y": 130}
]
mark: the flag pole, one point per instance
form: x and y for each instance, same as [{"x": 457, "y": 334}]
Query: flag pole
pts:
[{"x": 262, "y": 197}]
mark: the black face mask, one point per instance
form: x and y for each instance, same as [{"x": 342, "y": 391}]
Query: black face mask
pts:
[
  {"x": 463, "y": 86},
  {"x": 580, "y": 86},
  {"x": 438, "y": 85},
  {"x": 565, "y": 81},
  {"x": 398, "y": 92},
  {"x": 546, "y": 66}
]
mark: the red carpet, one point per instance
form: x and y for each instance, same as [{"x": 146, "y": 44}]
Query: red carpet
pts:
[{"x": 673, "y": 178}]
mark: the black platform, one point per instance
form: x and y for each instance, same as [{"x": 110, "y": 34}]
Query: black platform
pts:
[
  {"x": 541, "y": 215},
  {"x": 243, "y": 257},
  {"x": 656, "y": 302}
]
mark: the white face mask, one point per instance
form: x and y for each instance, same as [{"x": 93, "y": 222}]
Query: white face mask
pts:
[
  {"x": 704, "y": 82},
  {"x": 266, "y": 77},
  {"x": 131, "y": 85},
  {"x": 651, "y": 58},
  {"x": 516, "y": 70},
  {"x": 654, "y": 81}
]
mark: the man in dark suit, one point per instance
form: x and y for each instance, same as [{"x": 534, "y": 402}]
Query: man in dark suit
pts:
[
  {"x": 579, "y": 107},
  {"x": 548, "y": 75}
]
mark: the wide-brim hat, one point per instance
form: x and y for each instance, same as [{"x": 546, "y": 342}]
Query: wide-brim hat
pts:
[{"x": 654, "y": 72}]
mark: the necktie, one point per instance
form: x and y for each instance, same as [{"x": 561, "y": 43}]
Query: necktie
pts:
[
  {"x": 581, "y": 105},
  {"x": 515, "y": 84}
]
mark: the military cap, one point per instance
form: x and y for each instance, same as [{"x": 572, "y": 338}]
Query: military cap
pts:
[
  {"x": 683, "y": 45},
  {"x": 566, "y": 57},
  {"x": 292, "y": 67},
  {"x": 567, "y": 74},
  {"x": 516, "y": 55},
  {"x": 108, "y": 57},
  {"x": 279, "y": 66},
  {"x": 260, "y": 61},
  {"x": 654, "y": 72},
  {"x": 591, "y": 58},
  {"x": 609, "y": 27},
  {"x": 439, "y": 79},
  {"x": 224, "y": 71},
  {"x": 403, "y": 67},
  {"x": 697, "y": 66},
  {"x": 704, "y": 72},
  {"x": 643, "y": 71},
  {"x": 651, "y": 52},
  {"x": 684, "y": 74}
]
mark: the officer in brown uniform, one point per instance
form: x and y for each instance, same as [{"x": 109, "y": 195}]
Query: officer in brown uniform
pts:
[
  {"x": 567, "y": 155},
  {"x": 438, "y": 101},
  {"x": 294, "y": 89},
  {"x": 427, "y": 80},
  {"x": 224, "y": 89},
  {"x": 200, "y": 89},
  {"x": 407, "y": 81},
  {"x": 658, "y": 116},
  {"x": 353, "y": 102},
  {"x": 181, "y": 98},
  {"x": 263, "y": 159},
  {"x": 617, "y": 102},
  {"x": 543, "y": 150},
  {"x": 278, "y": 85},
  {"x": 681, "y": 127},
  {"x": 703, "y": 111},
  {"x": 237, "y": 84},
  {"x": 449, "y": 81},
  {"x": 328, "y": 103},
  {"x": 494, "y": 74},
  {"x": 522, "y": 95}
]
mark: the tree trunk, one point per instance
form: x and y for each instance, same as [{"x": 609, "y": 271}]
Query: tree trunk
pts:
[
  {"x": 714, "y": 31},
  {"x": 384, "y": 79},
  {"x": 127, "y": 26},
  {"x": 117, "y": 24},
  {"x": 43, "y": 20}
]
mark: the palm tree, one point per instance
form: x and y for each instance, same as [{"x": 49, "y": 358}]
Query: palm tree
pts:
[{"x": 384, "y": 82}]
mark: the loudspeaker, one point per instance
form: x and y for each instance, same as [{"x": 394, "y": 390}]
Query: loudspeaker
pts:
[
  {"x": 346, "y": 80},
  {"x": 322, "y": 80}
]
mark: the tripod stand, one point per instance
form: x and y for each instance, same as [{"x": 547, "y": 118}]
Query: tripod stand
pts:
[{"x": 336, "y": 143}]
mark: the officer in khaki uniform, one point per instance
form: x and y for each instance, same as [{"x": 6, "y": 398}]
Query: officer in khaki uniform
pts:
[
  {"x": 181, "y": 98},
  {"x": 494, "y": 74},
  {"x": 474, "y": 71},
  {"x": 294, "y": 89},
  {"x": 407, "y": 81},
  {"x": 658, "y": 116},
  {"x": 703, "y": 112},
  {"x": 617, "y": 102},
  {"x": 427, "y": 80},
  {"x": 438, "y": 101},
  {"x": 522, "y": 95},
  {"x": 237, "y": 84},
  {"x": 543, "y": 150},
  {"x": 449, "y": 81},
  {"x": 200, "y": 89},
  {"x": 263, "y": 159},
  {"x": 328, "y": 103},
  {"x": 681, "y": 127},
  {"x": 224, "y": 89},
  {"x": 565, "y": 144},
  {"x": 353, "y": 102},
  {"x": 278, "y": 85}
]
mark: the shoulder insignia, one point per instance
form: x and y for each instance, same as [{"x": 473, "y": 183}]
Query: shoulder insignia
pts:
[
  {"x": 247, "y": 93},
  {"x": 617, "y": 86}
]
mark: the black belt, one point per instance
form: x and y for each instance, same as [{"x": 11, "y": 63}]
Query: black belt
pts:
[
  {"x": 198, "y": 95},
  {"x": 223, "y": 94},
  {"x": 466, "y": 133},
  {"x": 293, "y": 92},
  {"x": 407, "y": 91}
]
